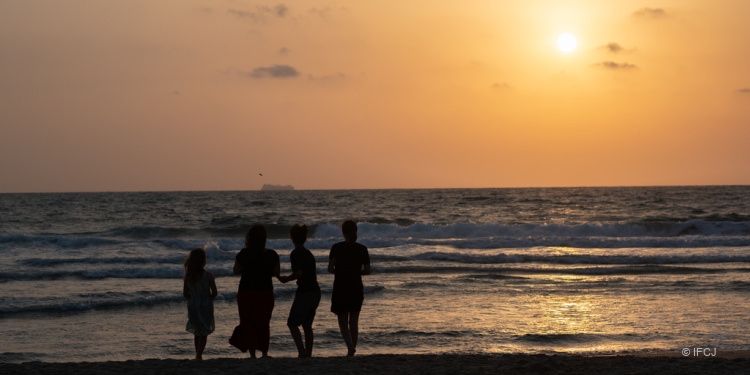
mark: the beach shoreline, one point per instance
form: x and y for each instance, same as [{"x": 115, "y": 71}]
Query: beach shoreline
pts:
[{"x": 733, "y": 362}]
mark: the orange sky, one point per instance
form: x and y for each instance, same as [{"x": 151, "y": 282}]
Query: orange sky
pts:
[{"x": 123, "y": 95}]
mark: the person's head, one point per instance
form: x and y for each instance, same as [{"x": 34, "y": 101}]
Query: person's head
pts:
[
  {"x": 298, "y": 234},
  {"x": 195, "y": 263},
  {"x": 256, "y": 237},
  {"x": 349, "y": 229}
]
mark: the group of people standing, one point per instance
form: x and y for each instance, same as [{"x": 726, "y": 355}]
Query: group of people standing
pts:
[{"x": 257, "y": 265}]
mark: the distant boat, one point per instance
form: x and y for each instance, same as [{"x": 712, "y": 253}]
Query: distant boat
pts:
[{"x": 277, "y": 187}]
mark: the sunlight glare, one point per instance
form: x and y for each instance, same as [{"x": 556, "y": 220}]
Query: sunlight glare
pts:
[{"x": 566, "y": 42}]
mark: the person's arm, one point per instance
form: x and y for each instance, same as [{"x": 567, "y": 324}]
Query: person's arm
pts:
[
  {"x": 277, "y": 268},
  {"x": 237, "y": 269},
  {"x": 332, "y": 264},
  {"x": 366, "y": 266},
  {"x": 185, "y": 289},
  {"x": 294, "y": 276},
  {"x": 212, "y": 285}
]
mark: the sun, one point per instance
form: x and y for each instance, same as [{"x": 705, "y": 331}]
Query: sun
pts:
[{"x": 566, "y": 42}]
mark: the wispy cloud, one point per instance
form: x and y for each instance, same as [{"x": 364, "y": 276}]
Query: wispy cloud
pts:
[
  {"x": 650, "y": 13},
  {"x": 500, "y": 85},
  {"x": 615, "y": 66},
  {"x": 261, "y": 13},
  {"x": 744, "y": 91},
  {"x": 280, "y": 10},
  {"x": 283, "y": 51},
  {"x": 613, "y": 48},
  {"x": 325, "y": 11},
  {"x": 244, "y": 14},
  {"x": 274, "y": 71}
]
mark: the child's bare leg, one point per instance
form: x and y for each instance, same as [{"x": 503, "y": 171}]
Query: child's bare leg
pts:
[
  {"x": 354, "y": 328},
  {"x": 200, "y": 345},
  {"x": 308, "y": 339},
  {"x": 345, "y": 333},
  {"x": 297, "y": 336}
]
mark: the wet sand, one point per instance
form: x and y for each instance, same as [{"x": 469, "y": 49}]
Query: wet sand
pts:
[{"x": 657, "y": 363}]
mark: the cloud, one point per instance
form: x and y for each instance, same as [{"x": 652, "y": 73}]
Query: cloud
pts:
[
  {"x": 744, "y": 91},
  {"x": 245, "y": 14},
  {"x": 321, "y": 12},
  {"x": 500, "y": 85},
  {"x": 326, "y": 11},
  {"x": 261, "y": 13},
  {"x": 280, "y": 10},
  {"x": 274, "y": 71},
  {"x": 615, "y": 66},
  {"x": 283, "y": 51},
  {"x": 650, "y": 13},
  {"x": 613, "y": 48}
]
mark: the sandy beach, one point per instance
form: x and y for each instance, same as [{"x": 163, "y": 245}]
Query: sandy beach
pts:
[{"x": 666, "y": 363}]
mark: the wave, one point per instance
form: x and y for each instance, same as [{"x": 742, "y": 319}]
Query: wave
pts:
[
  {"x": 561, "y": 338},
  {"x": 572, "y": 259},
  {"x": 63, "y": 241},
  {"x": 117, "y": 300},
  {"x": 475, "y": 271},
  {"x": 53, "y": 262},
  {"x": 574, "y": 338},
  {"x": 500, "y": 272},
  {"x": 421, "y": 334},
  {"x": 166, "y": 265},
  {"x": 92, "y": 301},
  {"x": 385, "y": 241},
  {"x": 469, "y": 230},
  {"x": 16, "y": 357},
  {"x": 123, "y": 272},
  {"x": 462, "y": 236},
  {"x": 224, "y": 228},
  {"x": 397, "y": 231},
  {"x": 689, "y": 234}
]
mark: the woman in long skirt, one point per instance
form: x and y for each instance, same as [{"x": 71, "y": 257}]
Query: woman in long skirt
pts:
[{"x": 255, "y": 299}]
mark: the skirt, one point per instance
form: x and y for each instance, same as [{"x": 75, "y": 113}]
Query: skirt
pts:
[{"x": 254, "y": 332}]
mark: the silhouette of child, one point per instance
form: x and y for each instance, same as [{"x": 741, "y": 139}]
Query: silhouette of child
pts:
[
  {"x": 307, "y": 297},
  {"x": 199, "y": 287}
]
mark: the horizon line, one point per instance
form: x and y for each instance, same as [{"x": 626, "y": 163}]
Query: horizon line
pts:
[{"x": 371, "y": 189}]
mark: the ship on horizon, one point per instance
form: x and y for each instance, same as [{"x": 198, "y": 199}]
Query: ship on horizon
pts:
[{"x": 276, "y": 187}]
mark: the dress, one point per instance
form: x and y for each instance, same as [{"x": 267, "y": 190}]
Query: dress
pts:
[
  {"x": 348, "y": 293},
  {"x": 255, "y": 299},
  {"x": 200, "y": 306}
]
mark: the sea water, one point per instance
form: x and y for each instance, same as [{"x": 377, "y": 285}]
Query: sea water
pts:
[{"x": 98, "y": 276}]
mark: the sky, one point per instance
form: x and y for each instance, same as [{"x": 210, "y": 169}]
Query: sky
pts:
[{"x": 154, "y": 95}]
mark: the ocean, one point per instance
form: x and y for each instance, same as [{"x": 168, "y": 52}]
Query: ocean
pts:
[{"x": 98, "y": 276}]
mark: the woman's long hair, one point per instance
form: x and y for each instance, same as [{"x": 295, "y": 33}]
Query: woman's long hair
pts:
[
  {"x": 195, "y": 263},
  {"x": 256, "y": 237}
]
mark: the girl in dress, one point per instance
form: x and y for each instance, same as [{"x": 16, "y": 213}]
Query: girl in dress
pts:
[{"x": 199, "y": 287}]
